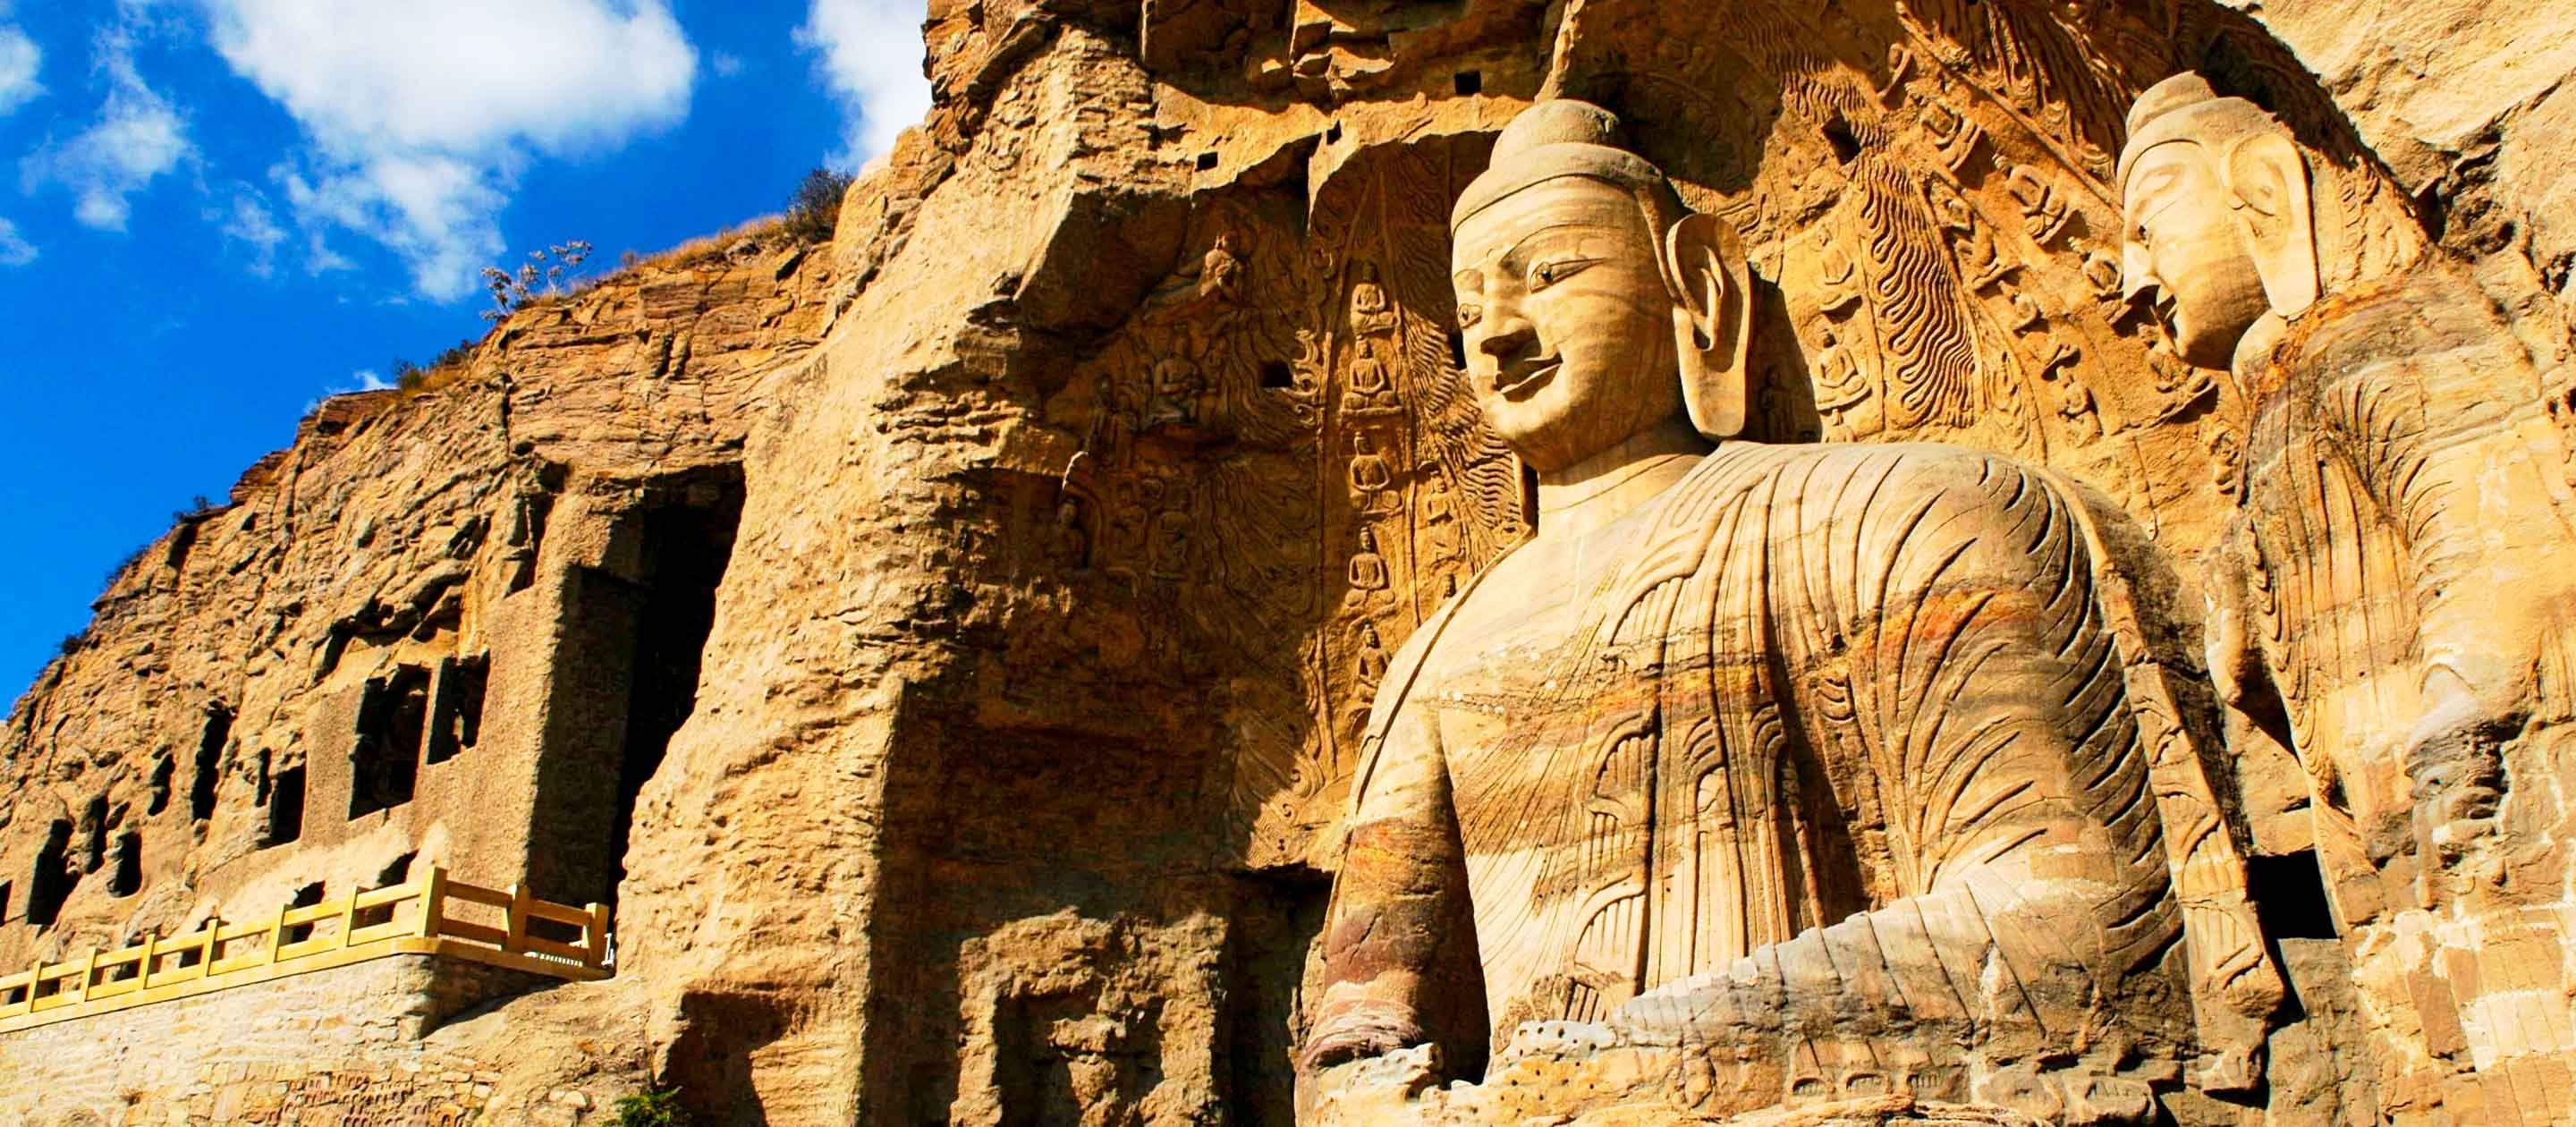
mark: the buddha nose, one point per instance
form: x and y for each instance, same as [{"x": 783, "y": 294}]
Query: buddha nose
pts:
[
  {"x": 2137, "y": 272},
  {"x": 1510, "y": 336}
]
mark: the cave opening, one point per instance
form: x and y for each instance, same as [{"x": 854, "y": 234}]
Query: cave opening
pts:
[
  {"x": 394, "y": 873},
  {"x": 626, "y": 678},
  {"x": 285, "y": 806},
  {"x": 127, "y": 879},
  {"x": 94, "y": 834},
  {"x": 51, "y": 882},
  {"x": 456, "y": 710},
  {"x": 2289, "y": 895},
  {"x": 210, "y": 749},
  {"x": 385, "y": 762},
  {"x": 305, "y": 897}
]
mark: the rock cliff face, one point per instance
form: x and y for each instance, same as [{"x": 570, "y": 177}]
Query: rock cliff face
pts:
[
  {"x": 948, "y": 648},
  {"x": 423, "y": 633}
]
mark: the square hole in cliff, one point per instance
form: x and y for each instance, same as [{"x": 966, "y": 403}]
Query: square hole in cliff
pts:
[
  {"x": 456, "y": 707},
  {"x": 2289, "y": 895},
  {"x": 394, "y": 873},
  {"x": 285, "y": 807},
  {"x": 385, "y": 763}
]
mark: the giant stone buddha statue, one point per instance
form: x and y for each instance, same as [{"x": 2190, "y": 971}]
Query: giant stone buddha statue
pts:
[
  {"x": 1765, "y": 773},
  {"x": 2402, "y": 569}
]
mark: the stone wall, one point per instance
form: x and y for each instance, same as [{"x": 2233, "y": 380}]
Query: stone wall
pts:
[{"x": 348, "y": 1045}]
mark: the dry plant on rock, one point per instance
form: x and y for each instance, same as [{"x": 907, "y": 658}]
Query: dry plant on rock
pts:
[{"x": 542, "y": 275}]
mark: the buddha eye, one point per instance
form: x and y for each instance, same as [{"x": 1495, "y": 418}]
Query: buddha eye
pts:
[
  {"x": 1468, "y": 315},
  {"x": 1555, "y": 270}
]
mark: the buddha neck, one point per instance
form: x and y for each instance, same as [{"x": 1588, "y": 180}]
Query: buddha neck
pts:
[{"x": 1592, "y": 493}]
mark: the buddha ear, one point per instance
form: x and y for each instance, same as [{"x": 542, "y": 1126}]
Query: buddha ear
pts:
[
  {"x": 2268, "y": 180},
  {"x": 1703, "y": 264}
]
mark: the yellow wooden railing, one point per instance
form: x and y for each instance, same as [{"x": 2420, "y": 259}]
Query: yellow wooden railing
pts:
[{"x": 421, "y": 917}]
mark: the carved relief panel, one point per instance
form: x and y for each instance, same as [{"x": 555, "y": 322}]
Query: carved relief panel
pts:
[
  {"x": 1277, "y": 470},
  {"x": 1926, "y": 189}
]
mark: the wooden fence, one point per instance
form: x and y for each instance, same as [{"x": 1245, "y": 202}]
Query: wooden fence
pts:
[{"x": 429, "y": 915}]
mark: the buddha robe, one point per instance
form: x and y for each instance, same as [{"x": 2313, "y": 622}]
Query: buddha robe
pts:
[{"x": 1825, "y": 744}]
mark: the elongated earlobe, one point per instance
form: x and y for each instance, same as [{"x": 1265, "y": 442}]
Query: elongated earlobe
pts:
[
  {"x": 1703, "y": 266},
  {"x": 2269, "y": 182}
]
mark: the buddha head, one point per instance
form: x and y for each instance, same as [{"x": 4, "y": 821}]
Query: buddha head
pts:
[
  {"x": 1593, "y": 304},
  {"x": 2216, "y": 221}
]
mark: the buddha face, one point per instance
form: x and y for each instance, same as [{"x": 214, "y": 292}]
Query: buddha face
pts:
[
  {"x": 1568, "y": 325},
  {"x": 2183, "y": 242}
]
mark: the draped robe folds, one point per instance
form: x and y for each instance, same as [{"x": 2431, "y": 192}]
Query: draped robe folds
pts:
[
  {"x": 2412, "y": 585},
  {"x": 1844, "y": 737}
]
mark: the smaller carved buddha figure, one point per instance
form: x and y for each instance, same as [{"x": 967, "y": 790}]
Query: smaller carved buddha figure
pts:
[
  {"x": 1368, "y": 569},
  {"x": 1370, "y": 665},
  {"x": 1177, "y": 389},
  {"x": 1072, "y": 540},
  {"x": 2401, "y": 575},
  {"x": 1371, "y": 313},
  {"x": 1371, "y": 480},
  {"x": 1220, "y": 271},
  {"x": 1369, "y": 392},
  {"x": 1171, "y": 557}
]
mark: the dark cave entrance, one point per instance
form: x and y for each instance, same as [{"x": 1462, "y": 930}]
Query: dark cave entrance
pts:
[
  {"x": 50, "y": 883},
  {"x": 626, "y": 677}
]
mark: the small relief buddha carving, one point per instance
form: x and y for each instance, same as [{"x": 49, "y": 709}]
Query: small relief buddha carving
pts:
[{"x": 1368, "y": 569}]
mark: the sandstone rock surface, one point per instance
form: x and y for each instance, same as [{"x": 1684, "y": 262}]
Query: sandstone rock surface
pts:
[{"x": 949, "y": 649}]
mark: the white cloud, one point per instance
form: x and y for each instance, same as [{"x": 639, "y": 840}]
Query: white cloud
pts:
[
  {"x": 249, "y": 223},
  {"x": 137, "y": 136},
  {"x": 725, "y": 64},
  {"x": 870, "y": 55},
  {"x": 364, "y": 379},
  {"x": 19, "y": 61},
  {"x": 421, "y": 116},
  {"x": 14, "y": 249}
]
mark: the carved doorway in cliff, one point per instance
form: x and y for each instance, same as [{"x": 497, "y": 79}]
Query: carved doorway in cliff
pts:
[{"x": 625, "y": 675}]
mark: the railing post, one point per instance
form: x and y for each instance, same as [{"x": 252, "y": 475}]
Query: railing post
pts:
[
  {"x": 277, "y": 933},
  {"x": 518, "y": 921},
  {"x": 213, "y": 946},
  {"x": 433, "y": 901},
  {"x": 89, "y": 970},
  {"x": 151, "y": 951},
  {"x": 348, "y": 917},
  {"x": 35, "y": 979},
  {"x": 596, "y": 935}
]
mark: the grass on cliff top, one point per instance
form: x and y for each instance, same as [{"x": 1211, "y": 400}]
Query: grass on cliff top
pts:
[{"x": 811, "y": 216}]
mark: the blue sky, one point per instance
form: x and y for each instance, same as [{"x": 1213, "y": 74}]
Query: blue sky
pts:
[{"x": 215, "y": 212}]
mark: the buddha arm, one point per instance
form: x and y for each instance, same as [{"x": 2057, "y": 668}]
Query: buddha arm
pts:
[
  {"x": 1399, "y": 946},
  {"x": 1936, "y": 993}
]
